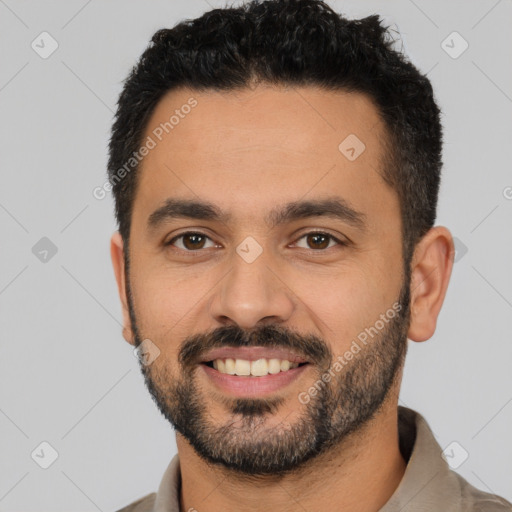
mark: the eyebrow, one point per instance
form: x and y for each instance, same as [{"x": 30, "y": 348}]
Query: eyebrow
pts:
[{"x": 332, "y": 207}]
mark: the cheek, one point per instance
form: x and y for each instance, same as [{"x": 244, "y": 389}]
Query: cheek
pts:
[
  {"x": 339, "y": 304},
  {"x": 162, "y": 317},
  {"x": 164, "y": 302},
  {"x": 343, "y": 305}
]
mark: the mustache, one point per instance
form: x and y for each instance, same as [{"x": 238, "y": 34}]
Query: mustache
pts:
[{"x": 309, "y": 346}]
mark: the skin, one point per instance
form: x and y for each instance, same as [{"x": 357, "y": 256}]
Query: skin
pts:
[{"x": 248, "y": 152}]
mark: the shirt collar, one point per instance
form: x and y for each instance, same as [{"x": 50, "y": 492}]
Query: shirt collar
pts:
[
  {"x": 428, "y": 483},
  {"x": 168, "y": 495}
]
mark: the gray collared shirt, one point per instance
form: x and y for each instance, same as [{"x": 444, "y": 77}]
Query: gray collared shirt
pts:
[{"x": 428, "y": 483}]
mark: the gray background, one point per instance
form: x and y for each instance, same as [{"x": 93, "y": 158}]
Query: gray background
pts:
[{"x": 67, "y": 377}]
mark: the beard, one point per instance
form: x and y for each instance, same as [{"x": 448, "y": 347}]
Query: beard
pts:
[{"x": 244, "y": 442}]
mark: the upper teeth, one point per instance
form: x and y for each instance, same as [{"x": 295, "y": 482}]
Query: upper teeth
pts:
[{"x": 258, "y": 368}]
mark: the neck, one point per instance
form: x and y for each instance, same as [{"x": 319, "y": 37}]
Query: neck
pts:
[{"x": 360, "y": 474}]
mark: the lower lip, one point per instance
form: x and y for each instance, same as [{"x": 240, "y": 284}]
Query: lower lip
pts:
[{"x": 253, "y": 386}]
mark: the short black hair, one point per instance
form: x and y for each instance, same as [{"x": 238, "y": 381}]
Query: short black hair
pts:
[{"x": 290, "y": 43}]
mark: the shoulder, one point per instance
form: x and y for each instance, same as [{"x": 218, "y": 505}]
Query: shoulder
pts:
[
  {"x": 144, "y": 504},
  {"x": 429, "y": 483},
  {"x": 475, "y": 500}
]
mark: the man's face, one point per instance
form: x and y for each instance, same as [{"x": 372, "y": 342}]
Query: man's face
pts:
[{"x": 306, "y": 287}]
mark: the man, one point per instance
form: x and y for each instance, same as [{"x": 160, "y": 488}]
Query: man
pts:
[{"x": 276, "y": 169}]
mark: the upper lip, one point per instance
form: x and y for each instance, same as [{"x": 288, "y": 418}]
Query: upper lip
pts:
[{"x": 252, "y": 354}]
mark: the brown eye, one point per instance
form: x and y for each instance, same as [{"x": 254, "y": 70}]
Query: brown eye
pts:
[
  {"x": 193, "y": 241},
  {"x": 190, "y": 241},
  {"x": 319, "y": 240}
]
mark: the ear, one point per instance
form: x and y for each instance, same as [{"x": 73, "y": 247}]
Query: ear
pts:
[
  {"x": 431, "y": 268},
  {"x": 117, "y": 255}
]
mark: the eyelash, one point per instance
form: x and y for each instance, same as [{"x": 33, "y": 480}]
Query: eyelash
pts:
[{"x": 181, "y": 235}]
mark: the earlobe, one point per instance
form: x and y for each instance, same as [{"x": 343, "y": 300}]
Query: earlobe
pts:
[
  {"x": 117, "y": 256},
  {"x": 431, "y": 269}
]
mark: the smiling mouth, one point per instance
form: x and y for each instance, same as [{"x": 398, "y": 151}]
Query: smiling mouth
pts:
[{"x": 255, "y": 368}]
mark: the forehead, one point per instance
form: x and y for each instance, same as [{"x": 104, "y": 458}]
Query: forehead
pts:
[
  {"x": 257, "y": 147},
  {"x": 235, "y": 119}
]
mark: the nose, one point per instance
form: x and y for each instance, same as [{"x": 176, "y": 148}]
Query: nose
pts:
[{"x": 251, "y": 294}]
